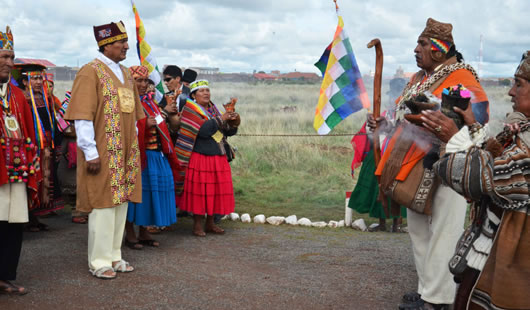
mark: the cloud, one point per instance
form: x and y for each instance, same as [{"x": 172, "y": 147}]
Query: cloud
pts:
[{"x": 289, "y": 35}]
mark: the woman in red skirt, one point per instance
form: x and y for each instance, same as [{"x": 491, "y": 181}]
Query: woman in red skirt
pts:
[{"x": 205, "y": 179}]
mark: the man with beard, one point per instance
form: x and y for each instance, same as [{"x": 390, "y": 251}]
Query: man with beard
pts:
[
  {"x": 433, "y": 233},
  {"x": 18, "y": 175},
  {"x": 105, "y": 106}
]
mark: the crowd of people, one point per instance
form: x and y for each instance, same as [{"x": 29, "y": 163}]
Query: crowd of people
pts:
[
  {"x": 139, "y": 160},
  {"x": 136, "y": 160}
]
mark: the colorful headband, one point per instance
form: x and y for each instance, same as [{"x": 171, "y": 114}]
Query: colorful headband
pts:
[
  {"x": 198, "y": 85},
  {"x": 34, "y": 73},
  {"x": 139, "y": 72},
  {"x": 439, "y": 45}
]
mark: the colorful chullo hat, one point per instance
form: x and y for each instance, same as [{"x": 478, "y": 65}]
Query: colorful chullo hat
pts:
[
  {"x": 109, "y": 33},
  {"x": 6, "y": 40},
  {"x": 139, "y": 72},
  {"x": 440, "y": 35},
  {"x": 523, "y": 70}
]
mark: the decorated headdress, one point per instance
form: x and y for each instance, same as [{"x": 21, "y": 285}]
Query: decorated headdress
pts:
[
  {"x": 31, "y": 69},
  {"x": 189, "y": 75},
  {"x": 523, "y": 70},
  {"x": 6, "y": 40},
  {"x": 198, "y": 85},
  {"x": 139, "y": 72},
  {"x": 440, "y": 35},
  {"x": 109, "y": 33},
  {"x": 49, "y": 77}
]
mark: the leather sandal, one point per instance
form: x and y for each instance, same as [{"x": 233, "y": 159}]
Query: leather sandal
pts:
[
  {"x": 79, "y": 220},
  {"x": 133, "y": 245},
  {"x": 149, "y": 242},
  {"x": 410, "y": 297},
  {"x": 12, "y": 289}
]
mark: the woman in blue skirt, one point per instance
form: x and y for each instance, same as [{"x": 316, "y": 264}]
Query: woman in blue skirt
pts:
[{"x": 158, "y": 207}]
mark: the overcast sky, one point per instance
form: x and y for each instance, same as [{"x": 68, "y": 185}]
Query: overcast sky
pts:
[{"x": 287, "y": 35}]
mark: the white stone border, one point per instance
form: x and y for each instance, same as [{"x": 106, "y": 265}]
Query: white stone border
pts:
[{"x": 290, "y": 220}]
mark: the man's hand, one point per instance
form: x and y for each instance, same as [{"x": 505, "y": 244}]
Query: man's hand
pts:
[
  {"x": 171, "y": 108},
  {"x": 93, "y": 166},
  {"x": 151, "y": 121},
  {"x": 373, "y": 122},
  {"x": 467, "y": 114},
  {"x": 440, "y": 125}
]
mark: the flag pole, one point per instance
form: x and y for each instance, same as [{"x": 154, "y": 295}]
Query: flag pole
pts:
[
  {"x": 377, "y": 94},
  {"x": 336, "y": 5}
]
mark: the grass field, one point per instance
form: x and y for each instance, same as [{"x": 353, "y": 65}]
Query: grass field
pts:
[{"x": 306, "y": 176}]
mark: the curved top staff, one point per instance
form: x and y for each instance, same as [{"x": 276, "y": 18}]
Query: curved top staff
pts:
[{"x": 377, "y": 94}]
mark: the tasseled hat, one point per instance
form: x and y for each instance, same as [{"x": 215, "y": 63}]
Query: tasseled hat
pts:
[
  {"x": 440, "y": 35},
  {"x": 49, "y": 77},
  {"x": 139, "y": 72},
  {"x": 109, "y": 33},
  {"x": 523, "y": 70},
  {"x": 6, "y": 40}
]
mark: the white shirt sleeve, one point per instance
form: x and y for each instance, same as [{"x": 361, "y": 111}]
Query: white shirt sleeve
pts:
[
  {"x": 462, "y": 140},
  {"x": 85, "y": 138}
]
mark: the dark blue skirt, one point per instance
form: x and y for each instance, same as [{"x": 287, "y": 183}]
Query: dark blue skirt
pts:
[{"x": 158, "y": 207}]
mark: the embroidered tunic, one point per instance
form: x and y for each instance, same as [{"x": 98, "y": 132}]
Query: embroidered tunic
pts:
[{"x": 113, "y": 107}]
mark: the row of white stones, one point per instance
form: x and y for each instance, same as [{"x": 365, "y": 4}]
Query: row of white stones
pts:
[{"x": 278, "y": 220}]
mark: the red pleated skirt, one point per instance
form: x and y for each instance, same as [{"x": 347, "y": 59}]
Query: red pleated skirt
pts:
[{"x": 208, "y": 187}]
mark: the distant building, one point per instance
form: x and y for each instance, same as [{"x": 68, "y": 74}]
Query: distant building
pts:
[
  {"x": 264, "y": 77},
  {"x": 205, "y": 70},
  {"x": 300, "y": 76},
  {"x": 64, "y": 73}
]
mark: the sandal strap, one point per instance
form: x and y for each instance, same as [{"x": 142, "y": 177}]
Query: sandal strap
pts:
[
  {"x": 121, "y": 266},
  {"x": 100, "y": 272}
]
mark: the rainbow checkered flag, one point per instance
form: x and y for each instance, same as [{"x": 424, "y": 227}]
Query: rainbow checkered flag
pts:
[
  {"x": 342, "y": 91},
  {"x": 146, "y": 57}
]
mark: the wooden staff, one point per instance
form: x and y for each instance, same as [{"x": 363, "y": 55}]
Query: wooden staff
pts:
[{"x": 377, "y": 94}]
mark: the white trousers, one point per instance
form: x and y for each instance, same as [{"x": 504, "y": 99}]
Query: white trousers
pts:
[
  {"x": 105, "y": 235},
  {"x": 14, "y": 203},
  {"x": 434, "y": 239}
]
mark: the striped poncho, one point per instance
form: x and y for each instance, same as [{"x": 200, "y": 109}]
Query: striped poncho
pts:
[{"x": 502, "y": 250}]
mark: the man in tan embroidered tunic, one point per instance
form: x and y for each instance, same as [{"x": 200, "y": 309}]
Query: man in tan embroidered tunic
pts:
[{"x": 105, "y": 106}]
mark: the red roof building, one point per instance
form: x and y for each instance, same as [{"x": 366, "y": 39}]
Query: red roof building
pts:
[
  {"x": 302, "y": 76},
  {"x": 44, "y": 62},
  {"x": 264, "y": 77}
]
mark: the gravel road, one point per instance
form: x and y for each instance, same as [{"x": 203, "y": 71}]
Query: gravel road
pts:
[{"x": 253, "y": 266}]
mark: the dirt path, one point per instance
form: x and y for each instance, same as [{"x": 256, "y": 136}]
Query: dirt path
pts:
[{"x": 251, "y": 267}]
